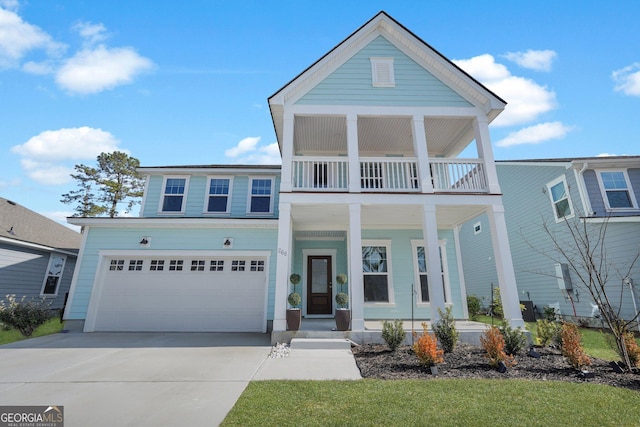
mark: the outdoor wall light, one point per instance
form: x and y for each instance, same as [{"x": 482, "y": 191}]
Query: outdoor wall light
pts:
[
  {"x": 227, "y": 242},
  {"x": 144, "y": 241}
]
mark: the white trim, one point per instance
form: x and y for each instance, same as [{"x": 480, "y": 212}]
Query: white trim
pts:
[
  {"x": 318, "y": 252},
  {"x": 175, "y": 222},
  {"x": 205, "y": 210},
  {"x": 382, "y": 72},
  {"x": 617, "y": 219},
  {"x": 46, "y": 275},
  {"x": 415, "y": 243},
  {"x": 561, "y": 179},
  {"x": 184, "y": 194},
  {"x": 629, "y": 189},
  {"x": 390, "y": 289},
  {"x": 271, "y": 196},
  {"x": 35, "y": 246}
]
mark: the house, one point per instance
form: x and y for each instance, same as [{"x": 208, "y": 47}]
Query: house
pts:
[
  {"x": 370, "y": 185},
  {"x": 597, "y": 191},
  {"x": 37, "y": 255}
]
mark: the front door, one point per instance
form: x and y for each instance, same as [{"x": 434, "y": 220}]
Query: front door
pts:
[{"x": 319, "y": 285}]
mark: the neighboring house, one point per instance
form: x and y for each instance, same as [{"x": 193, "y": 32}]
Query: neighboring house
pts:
[
  {"x": 370, "y": 185},
  {"x": 551, "y": 191},
  {"x": 37, "y": 255}
]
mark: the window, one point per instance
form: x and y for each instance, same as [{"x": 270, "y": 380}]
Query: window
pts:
[
  {"x": 376, "y": 273},
  {"x": 382, "y": 74},
  {"x": 237, "y": 265},
  {"x": 260, "y": 197},
  {"x": 173, "y": 195},
  {"x": 116, "y": 265},
  {"x": 257, "y": 265},
  {"x": 54, "y": 274},
  {"x": 176, "y": 265},
  {"x": 156, "y": 265},
  {"x": 197, "y": 265},
  {"x": 218, "y": 196},
  {"x": 135, "y": 265},
  {"x": 423, "y": 279},
  {"x": 560, "y": 200},
  {"x": 617, "y": 192},
  {"x": 216, "y": 265}
]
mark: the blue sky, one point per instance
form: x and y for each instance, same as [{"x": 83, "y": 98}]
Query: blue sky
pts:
[{"x": 182, "y": 83}]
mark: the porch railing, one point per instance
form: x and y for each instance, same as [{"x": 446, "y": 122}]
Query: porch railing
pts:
[{"x": 393, "y": 174}]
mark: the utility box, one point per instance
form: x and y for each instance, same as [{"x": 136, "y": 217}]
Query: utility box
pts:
[{"x": 564, "y": 279}]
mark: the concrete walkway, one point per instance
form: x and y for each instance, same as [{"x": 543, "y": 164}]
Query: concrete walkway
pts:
[{"x": 152, "y": 379}]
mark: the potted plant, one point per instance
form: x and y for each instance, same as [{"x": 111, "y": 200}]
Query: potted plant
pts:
[
  {"x": 294, "y": 317},
  {"x": 343, "y": 314}
]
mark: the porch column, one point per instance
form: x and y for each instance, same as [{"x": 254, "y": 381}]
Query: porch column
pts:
[
  {"x": 432, "y": 253},
  {"x": 356, "y": 285},
  {"x": 283, "y": 266},
  {"x": 420, "y": 149},
  {"x": 287, "y": 152},
  {"x": 485, "y": 151},
  {"x": 353, "y": 153},
  {"x": 504, "y": 266}
]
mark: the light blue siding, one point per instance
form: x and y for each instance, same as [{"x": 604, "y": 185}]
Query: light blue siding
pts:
[
  {"x": 171, "y": 240},
  {"x": 351, "y": 83}
]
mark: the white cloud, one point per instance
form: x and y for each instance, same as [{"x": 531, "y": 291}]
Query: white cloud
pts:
[
  {"x": 92, "y": 33},
  {"x": 17, "y": 38},
  {"x": 41, "y": 68},
  {"x": 48, "y": 158},
  {"x": 9, "y": 4},
  {"x": 535, "y": 134},
  {"x": 526, "y": 99},
  {"x": 627, "y": 80},
  {"x": 95, "y": 70},
  {"x": 248, "y": 152},
  {"x": 539, "y": 60}
]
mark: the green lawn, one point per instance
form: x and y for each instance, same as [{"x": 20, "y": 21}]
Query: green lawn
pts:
[
  {"x": 437, "y": 402},
  {"x": 52, "y": 326}
]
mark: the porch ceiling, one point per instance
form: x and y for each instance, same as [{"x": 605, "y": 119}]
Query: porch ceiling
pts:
[
  {"x": 327, "y": 135},
  {"x": 336, "y": 216}
]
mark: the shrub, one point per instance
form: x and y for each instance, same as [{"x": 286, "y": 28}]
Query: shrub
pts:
[
  {"x": 550, "y": 314},
  {"x": 496, "y": 304},
  {"x": 445, "y": 330},
  {"x": 426, "y": 348},
  {"x": 24, "y": 316},
  {"x": 572, "y": 346},
  {"x": 548, "y": 332},
  {"x": 342, "y": 299},
  {"x": 393, "y": 333},
  {"x": 294, "y": 299},
  {"x": 493, "y": 343},
  {"x": 632, "y": 348},
  {"x": 474, "y": 306},
  {"x": 514, "y": 339}
]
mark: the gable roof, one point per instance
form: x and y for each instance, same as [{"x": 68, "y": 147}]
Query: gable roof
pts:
[
  {"x": 23, "y": 225},
  {"x": 413, "y": 46}
]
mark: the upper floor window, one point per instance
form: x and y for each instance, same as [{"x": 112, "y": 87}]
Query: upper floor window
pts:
[
  {"x": 54, "y": 275},
  {"x": 560, "y": 200},
  {"x": 173, "y": 194},
  {"x": 382, "y": 74},
  {"x": 218, "y": 195},
  {"x": 260, "y": 200},
  {"x": 617, "y": 192},
  {"x": 377, "y": 273}
]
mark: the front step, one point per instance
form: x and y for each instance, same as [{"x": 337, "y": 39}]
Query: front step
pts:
[{"x": 320, "y": 344}]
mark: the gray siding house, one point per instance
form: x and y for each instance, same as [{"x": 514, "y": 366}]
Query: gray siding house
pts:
[
  {"x": 598, "y": 191},
  {"x": 37, "y": 255}
]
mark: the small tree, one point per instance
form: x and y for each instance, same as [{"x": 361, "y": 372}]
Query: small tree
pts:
[
  {"x": 25, "y": 316},
  {"x": 393, "y": 333},
  {"x": 445, "y": 330}
]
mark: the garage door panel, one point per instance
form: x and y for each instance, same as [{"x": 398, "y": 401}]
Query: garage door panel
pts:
[{"x": 212, "y": 301}]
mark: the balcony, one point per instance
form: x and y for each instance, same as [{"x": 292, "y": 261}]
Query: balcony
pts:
[{"x": 388, "y": 174}]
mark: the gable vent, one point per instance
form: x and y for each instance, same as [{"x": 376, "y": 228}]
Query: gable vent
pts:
[{"x": 382, "y": 73}]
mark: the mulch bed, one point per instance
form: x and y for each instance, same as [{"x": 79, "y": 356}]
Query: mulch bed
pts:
[{"x": 466, "y": 361}]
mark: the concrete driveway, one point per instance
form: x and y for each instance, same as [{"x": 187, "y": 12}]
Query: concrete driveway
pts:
[{"x": 132, "y": 379}]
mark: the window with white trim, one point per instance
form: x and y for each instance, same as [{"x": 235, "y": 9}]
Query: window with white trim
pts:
[
  {"x": 173, "y": 194},
  {"x": 197, "y": 265},
  {"x": 261, "y": 190},
  {"x": 238, "y": 265},
  {"x": 422, "y": 276},
  {"x": 135, "y": 265},
  {"x": 560, "y": 200},
  {"x": 257, "y": 265},
  {"x": 382, "y": 73},
  {"x": 376, "y": 271},
  {"x": 216, "y": 265},
  {"x": 156, "y": 265},
  {"x": 617, "y": 192},
  {"x": 176, "y": 265},
  {"x": 116, "y": 265},
  {"x": 54, "y": 275},
  {"x": 218, "y": 195}
]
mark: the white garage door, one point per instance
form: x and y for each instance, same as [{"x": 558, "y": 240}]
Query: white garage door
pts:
[{"x": 208, "y": 294}]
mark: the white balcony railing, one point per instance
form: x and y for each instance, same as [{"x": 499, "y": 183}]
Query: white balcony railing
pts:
[{"x": 388, "y": 174}]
